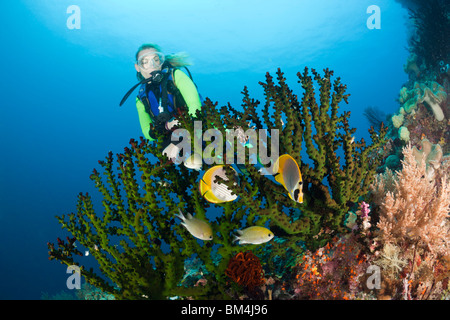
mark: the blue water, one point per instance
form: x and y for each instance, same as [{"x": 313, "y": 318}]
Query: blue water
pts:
[{"x": 61, "y": 88}]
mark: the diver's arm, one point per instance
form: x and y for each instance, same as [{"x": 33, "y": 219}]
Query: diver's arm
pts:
[
  {"x": 188, "y": 90},
  {"x": 144, "y": 119}
]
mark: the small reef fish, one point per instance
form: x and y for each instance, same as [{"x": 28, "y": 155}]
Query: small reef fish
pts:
[
  {"x": 216, "y": 192},
  {"x": 198, "y": 228},
  {"x": 194, "y": 161},
  {"x": 288, "y": 173},
  {"x": 163, "y": 184},
  {"x": 253, "y": 235}
]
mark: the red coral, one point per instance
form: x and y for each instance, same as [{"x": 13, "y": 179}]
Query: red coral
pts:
[
  {"x": 245, "y": 269},
  {"x": 334, "y": 271}
]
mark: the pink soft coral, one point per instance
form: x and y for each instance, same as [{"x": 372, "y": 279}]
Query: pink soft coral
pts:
[{"x": 417, "y": 209}]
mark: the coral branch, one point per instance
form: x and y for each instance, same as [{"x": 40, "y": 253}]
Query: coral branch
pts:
[{"x": 141, "y": 249}]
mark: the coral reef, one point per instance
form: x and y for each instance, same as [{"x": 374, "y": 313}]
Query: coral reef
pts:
[
  {"x": 429, "y": 42},
  {"x": 128, "y": 239},
  {"x": 411, "y": 205},
  {"x": 423, "y": 114},
  {"x": 414, "y": 228},
  {"x": 431, "y": 154},
  {"x": 403, "y": 133},
  {"x": 424, "y": 105},
  {"x": 86, "y": 292},
  {"x": 375, "y": 116},
  {"x": 391, "y": 260},
  {"x": 432, "y": 93},
  {"x": 328, "y": 186},
  {"x": 332, "y": 272},
  {"x": 417, "y": 209},
  {"x": 245, "y": 269},
  {"x": 411, "y": 66},
  {"x": 373, "y": 224},
  {"x": 140, "y": 248}
]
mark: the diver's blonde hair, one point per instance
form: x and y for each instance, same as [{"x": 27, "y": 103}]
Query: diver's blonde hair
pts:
[{"x": 177, "y": 60}]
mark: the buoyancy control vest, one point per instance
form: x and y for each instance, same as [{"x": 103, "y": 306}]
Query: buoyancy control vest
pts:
[
  {"x": 161, "y": 99},
  {"x": 158, "y": 93}
]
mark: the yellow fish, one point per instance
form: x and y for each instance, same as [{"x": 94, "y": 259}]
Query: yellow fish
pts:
[
  {"x": 198, "y": 228},
  {"x": 288, "y": 173},
  {"x": 254, "y": 235},
  {"x": 215, "y": 192}
]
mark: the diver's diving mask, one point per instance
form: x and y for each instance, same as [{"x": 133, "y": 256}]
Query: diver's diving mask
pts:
[{"x": 151, "y": 61}]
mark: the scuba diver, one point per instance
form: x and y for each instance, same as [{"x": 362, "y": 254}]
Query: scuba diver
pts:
[{"x": 164, "y": 91}]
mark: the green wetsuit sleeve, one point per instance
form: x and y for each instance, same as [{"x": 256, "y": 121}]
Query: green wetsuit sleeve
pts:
[
  {"x": 144, "y": 119},
  {"x": 188, "y": 90}
]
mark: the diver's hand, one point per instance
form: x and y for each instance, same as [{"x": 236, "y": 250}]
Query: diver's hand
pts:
[
  {"x": 171, "y": 124},
  {"x": 171, "y": 151},
  {"x": 160, "y": 122}
]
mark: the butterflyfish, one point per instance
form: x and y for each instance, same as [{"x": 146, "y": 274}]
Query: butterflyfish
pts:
[
  {"x": 198, "y": 228},
  {"x": 254, "y": 235},
  {"x": 216, "y": 192},
  {"x": 288, "y": 174}
]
